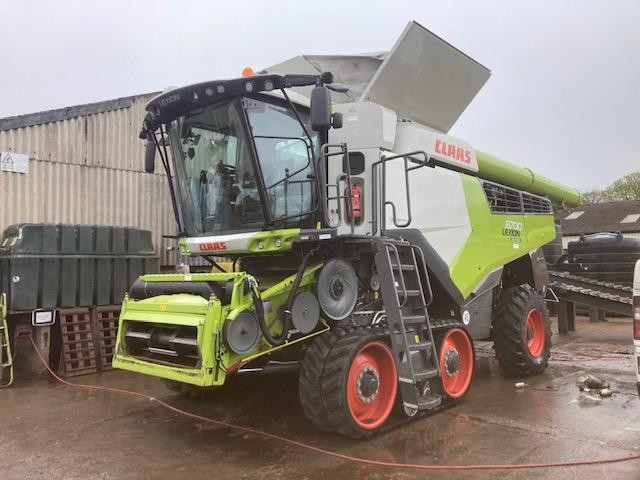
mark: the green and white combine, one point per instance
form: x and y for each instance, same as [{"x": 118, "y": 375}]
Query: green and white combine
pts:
[{"x": 370, "y": 248}]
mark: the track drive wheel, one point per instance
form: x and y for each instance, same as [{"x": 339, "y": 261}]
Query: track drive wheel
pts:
[
  {"x": 522, "y": 331},
  {"x": 456, "y": 359},
  {"x": 348, "y": 382}
]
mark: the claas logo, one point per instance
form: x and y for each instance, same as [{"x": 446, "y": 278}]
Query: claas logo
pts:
[
  {"x": 456, "y": 153},
  {"x": 212, "y": 246}
]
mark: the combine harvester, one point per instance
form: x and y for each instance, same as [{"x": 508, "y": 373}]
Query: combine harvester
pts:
[{"x": 370, "y": 247}]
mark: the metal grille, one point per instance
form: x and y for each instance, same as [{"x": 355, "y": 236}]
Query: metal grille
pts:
[
  {"x": 535, "y": 204},
  {"x": 502, "y": 199},
  {"x": 78, "y": 355}
]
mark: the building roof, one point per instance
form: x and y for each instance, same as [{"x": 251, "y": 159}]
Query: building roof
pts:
[
  {"x": 601, "y": 217},
  {"x": 60, "y": 114}
]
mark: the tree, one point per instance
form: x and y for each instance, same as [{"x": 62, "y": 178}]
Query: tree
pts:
[
  {"x": 626, "y": 188},
  {"x": 593, "y": 196}
]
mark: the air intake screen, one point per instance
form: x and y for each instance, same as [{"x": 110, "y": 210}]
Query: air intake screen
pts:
[{"x": 503, "y": 199}]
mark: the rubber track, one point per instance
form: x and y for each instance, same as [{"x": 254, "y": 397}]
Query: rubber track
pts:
[
  {"x": 310, "y": 375},
  {"x": 509, "y": 322},
  {"x": 321, "y": 383}
]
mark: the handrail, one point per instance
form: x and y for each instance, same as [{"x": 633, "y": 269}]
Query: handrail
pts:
[
  {"x": 342, "y": 177},
  {"x": 382, "y": 163}
]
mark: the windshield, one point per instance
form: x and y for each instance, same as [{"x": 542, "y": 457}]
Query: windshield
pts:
[
  {"x": 214, "y": 168},
  {"x": 216, "y": 176}
]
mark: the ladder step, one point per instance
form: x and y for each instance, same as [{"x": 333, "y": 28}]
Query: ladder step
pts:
[
  {"x": 429, "y": 401},
  {"x": 426, "y": 374},
  {"x": 413, "y": 319},
  {"x": 420, "y": 346},
  {"x": 404, "y": 266},
  {"x": 409, "y": 293}
]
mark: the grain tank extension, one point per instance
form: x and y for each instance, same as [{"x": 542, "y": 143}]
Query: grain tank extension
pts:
[{"x": 370, "y": 247}]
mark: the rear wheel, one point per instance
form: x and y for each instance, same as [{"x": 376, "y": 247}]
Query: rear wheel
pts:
[
  {"x": 352, "y": 388},
  {"x": 456, "y": 362},
  {"x": 522, "y": 331}
]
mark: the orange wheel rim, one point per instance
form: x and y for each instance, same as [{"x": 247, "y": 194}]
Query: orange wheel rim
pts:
[
  {"x": 456, "y": 362},
  {"x": 535, "y": 332},
  {"x": 372, "y": 385}
]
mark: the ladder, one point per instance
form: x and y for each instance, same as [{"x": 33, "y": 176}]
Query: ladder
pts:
[
  {"x": 6, "y": 360},
  {"x": 406, "y": 293}
]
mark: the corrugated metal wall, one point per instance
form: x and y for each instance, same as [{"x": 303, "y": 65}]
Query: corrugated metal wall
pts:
[{"x": 87, "y": 169}]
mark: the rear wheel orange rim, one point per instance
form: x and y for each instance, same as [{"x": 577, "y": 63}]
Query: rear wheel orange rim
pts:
[
  {"x": 535, "y": 332},
  {"x": 372, "y": 385},
  {"x": 456, "y": 362}
]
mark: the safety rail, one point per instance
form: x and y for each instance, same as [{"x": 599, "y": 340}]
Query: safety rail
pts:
[
  {"x": 344, "y": 177},
  {"x": 379, "y": 180}
]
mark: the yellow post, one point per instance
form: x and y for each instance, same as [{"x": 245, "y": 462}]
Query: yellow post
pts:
[{"x": 5, "y": 345}]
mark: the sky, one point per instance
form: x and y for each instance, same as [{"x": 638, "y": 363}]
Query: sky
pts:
[{"x": 563, "y": 98}]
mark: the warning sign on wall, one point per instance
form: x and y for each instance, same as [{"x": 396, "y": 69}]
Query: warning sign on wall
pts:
[{"x": 14, "y": 162}]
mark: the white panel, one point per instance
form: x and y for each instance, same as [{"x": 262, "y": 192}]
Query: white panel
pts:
[
  {"x": 425, "y": 79},
  {"x": 438, "y": 206},
  {"x": 365, "y": 125}
]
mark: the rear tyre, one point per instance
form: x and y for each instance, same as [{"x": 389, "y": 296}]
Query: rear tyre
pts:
[
  {"x": 522, "y": 332},
  {"x": 351, "y": 388},
  {"x": 456, "y": 361}
]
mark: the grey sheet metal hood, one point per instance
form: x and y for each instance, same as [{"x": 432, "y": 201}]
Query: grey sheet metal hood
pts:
[
  {"x": 426, "y": 79},
  {"x": 423, "y": 78}
]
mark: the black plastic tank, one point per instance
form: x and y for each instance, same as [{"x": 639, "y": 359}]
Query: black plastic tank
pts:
[
  {"x": 553, "y": 250},
  {"x": 609, "y": 257}
]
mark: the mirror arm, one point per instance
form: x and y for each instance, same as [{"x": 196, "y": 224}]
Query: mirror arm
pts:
[{"x": 164, "y": 156}]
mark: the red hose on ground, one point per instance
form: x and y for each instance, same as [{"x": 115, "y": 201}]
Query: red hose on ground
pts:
[{"x": 323, "y": 451}]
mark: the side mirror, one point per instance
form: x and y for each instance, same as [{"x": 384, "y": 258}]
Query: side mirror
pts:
[
  {"x": 150, "y": 156},
  {"x": 336, "y": 120},
  {"x": 320, "y": 108}
]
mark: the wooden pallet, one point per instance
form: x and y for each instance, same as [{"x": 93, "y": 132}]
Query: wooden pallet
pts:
[
  {"x": 106, "y": 329},
  {"x": 78, "y": 356}
]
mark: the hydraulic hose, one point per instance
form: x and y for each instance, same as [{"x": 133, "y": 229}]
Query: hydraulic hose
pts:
[{"x": 284, "y": 315}]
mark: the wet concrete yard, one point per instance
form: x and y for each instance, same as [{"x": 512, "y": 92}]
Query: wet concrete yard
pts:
[{"x": 48, "y": 430}]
